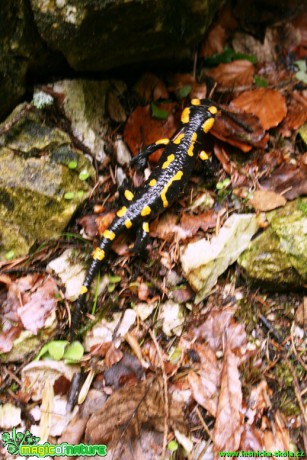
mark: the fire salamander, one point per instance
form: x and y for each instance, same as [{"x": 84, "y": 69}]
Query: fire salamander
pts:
[{"x": 159, "y": 191}]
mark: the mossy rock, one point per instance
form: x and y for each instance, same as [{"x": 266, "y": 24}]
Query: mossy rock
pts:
[{"x": 35, "y": 178}]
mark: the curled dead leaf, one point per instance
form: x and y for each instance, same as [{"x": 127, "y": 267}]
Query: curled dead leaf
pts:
[
  {"x": 266, "y": 200},
  {"x": 233, "y": 74},
  {"x": 268, "y": 105}
]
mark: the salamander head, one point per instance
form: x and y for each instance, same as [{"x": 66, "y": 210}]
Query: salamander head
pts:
[{"x": 203, "y": 114}]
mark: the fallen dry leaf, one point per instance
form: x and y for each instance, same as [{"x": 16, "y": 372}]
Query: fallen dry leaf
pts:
[
  {"x": 192, "y": 223},
  {"x": 212, "y": 330},
  {"x": 252, "y": 439},
  {"x": 126, "y": 369},
  {"x": 233, "y": 74},
  {"x": 166, "y": 226},
  {"x": 229, "y": 419},
  {"x": 151, "y": 88},
  {"x": 268, "y": 105},
  {"x": 229, "y": 131},
  {"x": 128, "y": 409},
  {"x": 214, "y": 42},
  {"x": 265, "y": 200},
  {"x": 205, "y": 382},
  {"x": 29, "y": 302},
  {"x": 297, "y": 113},
  {"x": 181, "y": 80},
  {"x": 142, "y": 129},
  {"x": 288, "y": 180}
]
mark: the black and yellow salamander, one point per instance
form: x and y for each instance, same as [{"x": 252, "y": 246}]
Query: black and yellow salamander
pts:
[{"x": 158, "y": 192}]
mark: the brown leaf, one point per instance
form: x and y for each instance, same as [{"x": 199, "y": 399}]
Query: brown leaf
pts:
[
  {"x": 233, "y": 74},
  {"x": 104, "y": 221},
  {"x": 252, "y": 439},
  {"x": 128, "y": 409},
  {"x": 268, "y": 105},
  {"x": 151, "y": 88},
  {"x": 265, "y": 200},
  {"x": 179, "y": 81},
  {"x": 213, "y": 329},
  {"x": 279, "y": 440},
  {"x": 214, "y": 42},
  {"x": 29, "y": 301},
  {"x": 297, "y": 112},
  {"x": 229, "y": 131},
  {"x": 34, "y": 312},
  {"x": 229, "y": 420},
  {"x": 165, "y": 227},
  {"x": 115, "y": 109},
  {"x": 192, "y": 223},
  {"x": 127, "y": 368},
  {"x": 142, "y": 129},
  {"x": 291, "y": 179},
  {"x": 206, "y": 382},
  {"x": 258, "y": 402}
]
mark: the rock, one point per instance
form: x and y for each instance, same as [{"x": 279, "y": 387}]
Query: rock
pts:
[
  {"x": 98, "y": 36},
  {"x": 21, "y": 50},
  {"x": 39, "y": 192},
  {"x": 279, "y": 255},
  {"x": 84, "y": 104},
  {"x": 204, "y": 261}
]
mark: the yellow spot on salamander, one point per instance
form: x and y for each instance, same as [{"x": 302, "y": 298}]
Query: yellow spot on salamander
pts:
[
  {"x": 178, "y": 139},
  {"x": 98, "y": 254},
  {"x": 146, "y": 227},
  {"x": 203, "y": 156},
  {"x": 191, "y": 148},
  {"x": 177, "y": 176},
  {"x": 108, "y": 235},
  {"x": 128, "y": 195},
  {"x": 185, "y": 116},
  {"x": 208, "y": 125},
  {"x": 83, "y": 290},
  {"x": 166, "y": 163},
  {"x": 122, "y": 211},
  {"x": 195, "y": 101},
  {"x": 212, "y": 109},
  {"x": 152, "y": 183},
  {"x": 164, "y": 141},
  {"x": 128, "y": 223},
  {"x": 145, "y": 211}
]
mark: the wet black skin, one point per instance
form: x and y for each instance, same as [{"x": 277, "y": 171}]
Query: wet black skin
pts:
[{"x": 149, "y": 195}]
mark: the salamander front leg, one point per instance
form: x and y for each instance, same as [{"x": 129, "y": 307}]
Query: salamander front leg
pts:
[{"x": 139, "y": 161}]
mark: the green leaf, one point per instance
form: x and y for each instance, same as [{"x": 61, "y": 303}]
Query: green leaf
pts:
[
  {"x": 73, "y": 352},
  {"x": 260, "y": 82},
  {"x": 301, "y": 76},
  {"x": 111, "y": 287},
  {"x": 10, "y": 255},
  {"x": 72, "y": 164},
  {"x": 228, "y": 55},
  {"x": 184, "y": 91},
  {"x": 84, "y": 174},
  {"x": 80, "y": 193},
  {"x": 301, "y": 64},
  {"x": 69, "y": 195},
  {"x": 114, "y": 279},
  {"x": 172, "y": 446},
  {"x": 56, "y": 349},
  {"x": 43, "y": 352},
  {"x": 158, "y": 113}
]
